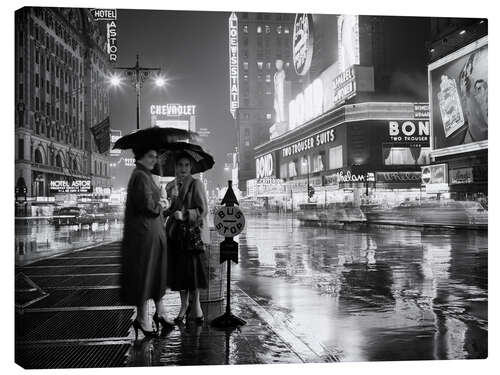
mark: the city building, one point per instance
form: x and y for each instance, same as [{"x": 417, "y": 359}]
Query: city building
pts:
[
  {"x": 60, "y": 93},
  {"x": 458, "y": 92},
  {"x": 256, "y": 42},
  {"x": 357, "y": 124}
]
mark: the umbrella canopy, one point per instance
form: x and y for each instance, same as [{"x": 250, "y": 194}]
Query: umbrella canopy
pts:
[
  {"x": 201, "y": 161},
  {"x": 154, "y": 138}
]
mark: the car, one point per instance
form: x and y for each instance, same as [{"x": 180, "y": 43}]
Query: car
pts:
[{"x": 72, "y": 216}]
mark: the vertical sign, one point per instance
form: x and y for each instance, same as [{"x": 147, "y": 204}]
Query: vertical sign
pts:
[
  {"x": 109, "y": 15},
  {"x": 234, "y": 90},
  {"x": 348, "y": 41}
]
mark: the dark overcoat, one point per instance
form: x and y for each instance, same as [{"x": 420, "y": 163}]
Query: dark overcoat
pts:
[
  {"x": 187, "y": 271},
  {"x": 144, "y": 246}
]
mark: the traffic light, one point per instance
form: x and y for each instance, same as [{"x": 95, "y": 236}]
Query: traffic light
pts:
[{"x": 310, "y": 191}]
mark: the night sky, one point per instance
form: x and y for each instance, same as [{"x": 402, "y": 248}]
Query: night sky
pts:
[{"x": 191, "y": 48}]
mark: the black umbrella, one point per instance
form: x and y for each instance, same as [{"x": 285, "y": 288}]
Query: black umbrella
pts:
[
  {"x": 201, "y": 161},
  {"x": 154, "y": 138}
]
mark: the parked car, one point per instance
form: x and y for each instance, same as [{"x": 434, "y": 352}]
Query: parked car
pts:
[{"x": 72, "y": 216}]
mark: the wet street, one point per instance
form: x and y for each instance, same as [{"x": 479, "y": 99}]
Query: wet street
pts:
[
  {"x": 308, "y": 293},
  {"x": 373, "y": 294},
  {"x": 39, "y": 239}
]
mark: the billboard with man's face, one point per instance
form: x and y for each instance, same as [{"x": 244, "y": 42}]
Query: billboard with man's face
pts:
[{"x": 459, "y": 96}]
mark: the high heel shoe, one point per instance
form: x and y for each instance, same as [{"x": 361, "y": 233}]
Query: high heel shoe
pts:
[
  {"x": 180, "y": 319},
  {"x": 137, "y": 326},
  {"x": 164, "y": 322}
]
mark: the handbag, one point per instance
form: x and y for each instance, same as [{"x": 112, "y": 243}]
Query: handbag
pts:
[{"x": 190, "y": 235}]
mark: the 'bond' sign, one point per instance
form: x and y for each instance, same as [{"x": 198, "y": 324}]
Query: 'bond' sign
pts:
[{"x": 229, "y": 221}]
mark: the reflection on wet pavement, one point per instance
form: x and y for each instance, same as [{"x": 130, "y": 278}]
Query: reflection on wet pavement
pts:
[
  {"x": 380, "y": 294},
  {"x": 194, "y": 344},
  {"x": 36, "y": 240}
]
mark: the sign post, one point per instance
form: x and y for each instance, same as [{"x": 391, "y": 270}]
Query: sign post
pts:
[{"x": 229, "y": 221}]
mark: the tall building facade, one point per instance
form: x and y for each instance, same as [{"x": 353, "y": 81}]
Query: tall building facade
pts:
[
  {"x": 60, "y": 74},
  {"x": 357, "y": 128},
  {"x": 257, "y": 40},
  {"x": 458, "y": 94}
]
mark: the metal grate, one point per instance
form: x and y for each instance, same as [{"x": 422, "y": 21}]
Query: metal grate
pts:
[
  {"x": 27, "y": 322},
  {"x": 81, "y": 325},
  {"x": 75, "y": 281},
  {"x": 71, "y": 270},
  {"x": 81, "y": 298},
  {"x": 71, "y": 356},
  {"x": 96, "y": 253}
]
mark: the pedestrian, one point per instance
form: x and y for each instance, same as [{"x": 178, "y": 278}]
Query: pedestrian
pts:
[
  {"x": 187, "y": 269},
  {"x": 144, "y": 246}
]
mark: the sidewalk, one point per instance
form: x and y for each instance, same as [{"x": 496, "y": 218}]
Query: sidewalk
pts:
[{"x": 74, "y": 318}]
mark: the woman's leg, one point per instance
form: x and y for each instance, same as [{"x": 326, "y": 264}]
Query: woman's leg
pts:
[
  {"x": 197, "y": 311},
  {"x": 143, "y": 316},
  {"x": 184, "y": 302},
  {"x": 160, "y": 308}
]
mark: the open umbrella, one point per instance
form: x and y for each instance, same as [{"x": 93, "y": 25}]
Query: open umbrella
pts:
[
  {"x": 155, "y": 138},
  {"x": 201, "y": 161}
]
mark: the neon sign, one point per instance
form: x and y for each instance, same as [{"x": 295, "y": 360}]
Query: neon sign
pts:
[
  {"x": 234, "y": 90},
  {"x": 303, "y": 41}
]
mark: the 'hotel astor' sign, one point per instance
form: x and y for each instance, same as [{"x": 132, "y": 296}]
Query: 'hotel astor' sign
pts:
[{"x": 309, "y": 143}]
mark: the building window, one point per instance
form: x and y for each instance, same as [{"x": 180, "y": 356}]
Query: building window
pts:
[
  {"x": 260, "y": 65},
  {"x": 245, "y": 65},
  {"x": 287, "y": 30},
  {"x": 245, "y": 29},
  {"x": 279, "y": 29},
  {"x": 335, "y": 157},
  {"x": 21, "y": 91},
  {"x": 59, "y": 161},
  {"x": 37, "y": 80},
  {"x": 304, "y": 165},
  {"x": 38, "y": 157},
  {"x": 318, "y": 163},
  {"x": 268, "y": 29},
  {"x": 292, "y": 170},
  {"x": 405, "y": 156},
  {"x": 268, "y": 116},
  {"x": 268, "y": 78},
  {"x": 246, "y": 139},
  {"x": 268, "y": 65},
  {"x": 283, "y": 170},
  {"x": 245, "y": 77},
  {"x": 259, "y": 29},
  {"x": 20, "y": 149}
]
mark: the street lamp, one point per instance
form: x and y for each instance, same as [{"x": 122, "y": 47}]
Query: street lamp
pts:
[
  {"x": 137, "y": 75},
  {"x": 115, "y": 80},
  {"x": 309, "y": 189},
  {"x": 160, "y": 81}
]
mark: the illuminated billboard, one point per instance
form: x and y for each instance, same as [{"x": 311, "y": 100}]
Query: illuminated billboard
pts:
[
  {"x": 173, "y": 115},
  {"x": 458, "y": 85},
  {"x": 348, "y": 41},
  {"x": 303, "y": 43}
]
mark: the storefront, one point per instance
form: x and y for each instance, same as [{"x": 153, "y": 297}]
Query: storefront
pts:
[{"x": 363, "y": 153}]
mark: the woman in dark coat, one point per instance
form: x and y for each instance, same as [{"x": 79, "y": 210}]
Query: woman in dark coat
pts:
[
  {"x": 144, "y": 246},
  {"x": 187, "y": 271}
]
